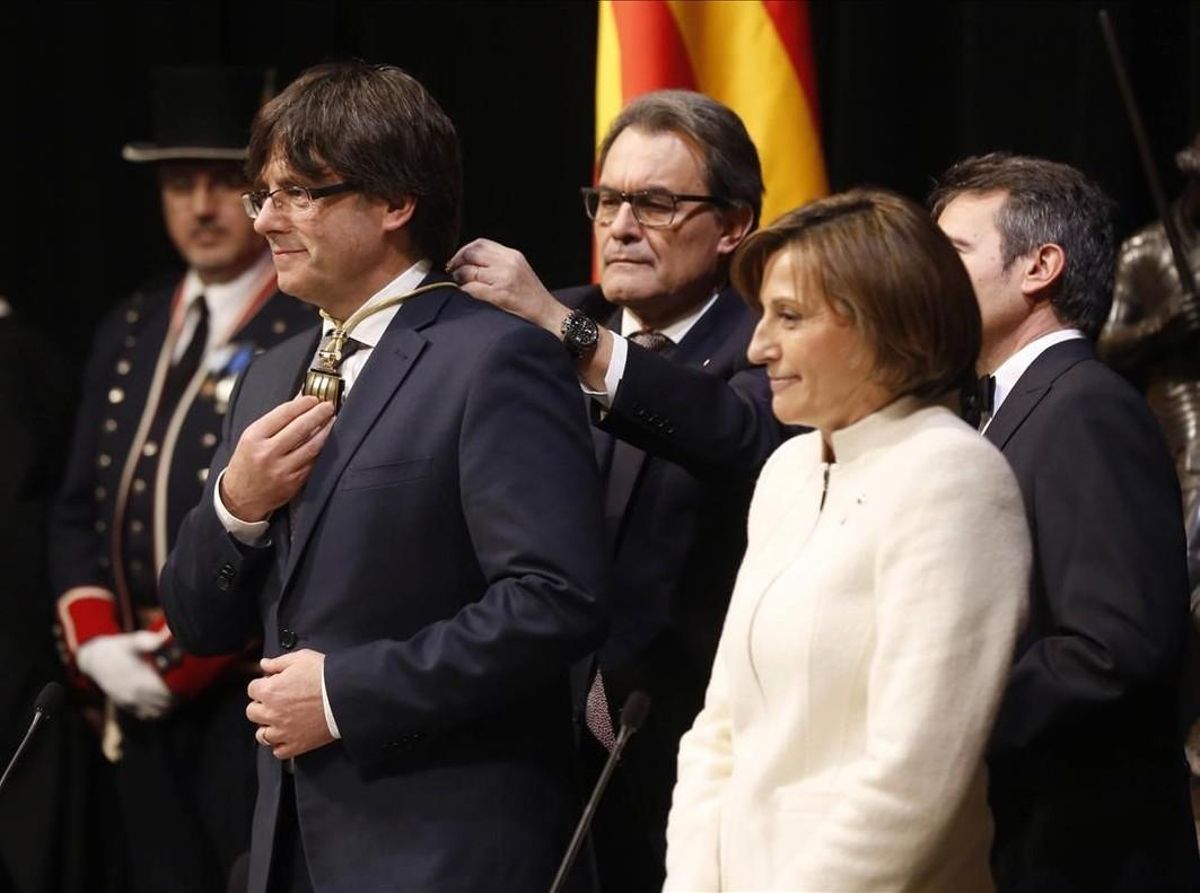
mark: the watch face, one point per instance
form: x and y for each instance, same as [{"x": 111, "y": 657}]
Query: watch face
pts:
[{"x": 580, "y": 334}]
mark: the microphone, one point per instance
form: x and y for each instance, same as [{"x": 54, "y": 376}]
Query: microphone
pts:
[
  {"x": 48, "y": 703},
  {"x": 633, "y": 714}
]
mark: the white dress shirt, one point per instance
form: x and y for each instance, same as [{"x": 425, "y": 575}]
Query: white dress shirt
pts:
[{"x": 630, "y": 323}]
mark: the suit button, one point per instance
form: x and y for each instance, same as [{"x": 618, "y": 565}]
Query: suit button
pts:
[
  {"x": 287, "y": 639},
  {"x": 225, "y": 577}
]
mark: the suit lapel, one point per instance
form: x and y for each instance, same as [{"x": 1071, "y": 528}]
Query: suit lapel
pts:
[
  {"x": 709, "y": 333},
  {"x": 385, "y": 370},
  {"x": 1033, "y": 386},
  {"x": 293, "y": 359}
]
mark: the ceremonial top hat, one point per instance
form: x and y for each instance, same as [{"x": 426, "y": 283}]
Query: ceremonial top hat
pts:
[
  {"x": 203, "y": 113},
  {"x": 1188, "y": 159}
]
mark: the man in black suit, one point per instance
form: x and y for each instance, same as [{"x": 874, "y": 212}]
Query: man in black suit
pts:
[
  {"x": 1088, "y": 784},
  {"x": 682, "y": 424},
  {"x": 156, "y": 386},
  {"x": 422, "y": 548}
]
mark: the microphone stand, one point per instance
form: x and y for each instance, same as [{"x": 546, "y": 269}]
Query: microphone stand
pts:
[
  {"x": 633, "y": 714},
  {"x": 46, "y": 705}
]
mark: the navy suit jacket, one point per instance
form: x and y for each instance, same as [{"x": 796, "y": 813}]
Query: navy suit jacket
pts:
[
  {"x": 447, "y": 556},
  {"x": 1088, "y": 784}
]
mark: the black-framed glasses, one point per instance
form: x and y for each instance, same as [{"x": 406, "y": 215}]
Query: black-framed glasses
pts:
[
  {"x": 651, "y": 207},
  {"x": 291, "y": 199}
]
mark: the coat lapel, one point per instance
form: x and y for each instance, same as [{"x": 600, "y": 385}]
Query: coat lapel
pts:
[
  {"x": 710, "y": 332},
  {"x": 384, "y": 372},
  {"x": 1032, "y": 386}
]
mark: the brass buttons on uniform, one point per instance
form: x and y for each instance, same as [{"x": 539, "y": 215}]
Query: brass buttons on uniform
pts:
[
  {"x": 123, "y": 367},
  {"x": 150, "y": 449},
  {"x": 116, "y": 395}
]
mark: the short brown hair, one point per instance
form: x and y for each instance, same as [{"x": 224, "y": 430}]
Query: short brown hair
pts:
[
  {"x": 1046, "y": 202},
  {"x": 880, "y": 262},
  {"x": 374, "y": 125},
  {"x": 732, "y": 170}
]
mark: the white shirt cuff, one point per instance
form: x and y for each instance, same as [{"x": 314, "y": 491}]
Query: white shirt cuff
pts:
[
  {"x": 329, "y": 720},
  {"x": 248, "y": 533},
  {"x": 612, "y": 376}
]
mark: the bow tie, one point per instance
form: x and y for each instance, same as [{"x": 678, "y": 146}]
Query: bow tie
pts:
[{"x": 978, "y": 400}]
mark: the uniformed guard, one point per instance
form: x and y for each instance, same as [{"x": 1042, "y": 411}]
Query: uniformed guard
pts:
[{"x": 160, "y": 374}]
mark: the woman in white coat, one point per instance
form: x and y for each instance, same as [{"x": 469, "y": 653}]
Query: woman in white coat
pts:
[{"x": 870, "y": 633}]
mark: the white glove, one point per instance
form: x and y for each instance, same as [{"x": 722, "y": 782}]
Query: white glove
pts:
[{"x": 115, "y": 664}]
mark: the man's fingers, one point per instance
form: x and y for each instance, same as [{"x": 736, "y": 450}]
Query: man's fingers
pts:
[
  {"x": 472, "y": 253},
  {"x": 271, "y": 423},
  {"x": 301, "y": 429},
  {"x": 297, "y": 464},
  {"x": 257, "y": 713}
]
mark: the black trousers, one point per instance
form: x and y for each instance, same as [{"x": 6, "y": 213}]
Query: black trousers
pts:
[
  {"x": 629, "y": 830},
  {"x": 289, "y": 870},
  {"x": 186, "y": 786}
]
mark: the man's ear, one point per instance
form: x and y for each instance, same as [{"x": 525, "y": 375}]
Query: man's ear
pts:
[
  {"x": 1041, "y": 269},
  {"x": 399, "y": 213},
  {"x": 736, "y": 226}
]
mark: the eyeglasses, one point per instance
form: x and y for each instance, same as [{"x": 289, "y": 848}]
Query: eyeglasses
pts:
[
  {"x": 652, "y": 208},
  {"x": 291, "y": 199}
]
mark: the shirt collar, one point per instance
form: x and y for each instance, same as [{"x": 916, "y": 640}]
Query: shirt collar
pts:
[
  {"x": 371, "y": 329},
  {"x": 1014, "y": 367},
  {"x": 676, "y": 331},
  {"x": 227, "y": 297}
]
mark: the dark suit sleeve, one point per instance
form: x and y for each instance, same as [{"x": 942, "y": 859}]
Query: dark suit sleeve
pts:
[
  {"x": 710, "y": 424},
  {"x": 531, "y": 500},
  {"x": 210, "y": 585},
  {"x": 1110, "y": 562}
]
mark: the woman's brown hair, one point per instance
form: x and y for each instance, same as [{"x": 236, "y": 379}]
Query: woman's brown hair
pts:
[{"x": 881, "y": 262}]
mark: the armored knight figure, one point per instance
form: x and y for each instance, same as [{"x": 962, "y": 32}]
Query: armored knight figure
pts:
[{"x": 1148, "y": 339}]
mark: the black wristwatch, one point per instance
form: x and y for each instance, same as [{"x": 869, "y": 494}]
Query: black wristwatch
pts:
[{"x": 580, "y": 334}]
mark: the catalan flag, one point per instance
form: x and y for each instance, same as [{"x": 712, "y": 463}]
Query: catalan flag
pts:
[{"x": 755, "y": 56}]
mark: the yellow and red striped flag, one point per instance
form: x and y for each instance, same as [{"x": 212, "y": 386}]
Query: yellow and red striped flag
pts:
[{"x": 755, "y": 56}]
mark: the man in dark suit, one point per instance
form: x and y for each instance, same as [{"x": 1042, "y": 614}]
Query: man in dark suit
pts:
[
  {"x": 424, "y": 565},
  {"x": 1088, "y": 785},
  {"x": 157, "y": 383},
  {"x": 682, "y": 424}
]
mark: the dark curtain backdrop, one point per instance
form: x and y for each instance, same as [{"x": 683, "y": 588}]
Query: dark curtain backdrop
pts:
[{"x": 905, "y": 89}]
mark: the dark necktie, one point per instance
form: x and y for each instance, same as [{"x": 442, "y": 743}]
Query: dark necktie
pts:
[
  {"x": 185, "y": 367},
  {"x": 651, "y": 340},
  {"x": 349, "y": 348},
  {"x": 622, "y": 476}
]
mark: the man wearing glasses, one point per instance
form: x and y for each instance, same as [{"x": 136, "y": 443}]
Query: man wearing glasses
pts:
[
  {"x": 682, "y": 424},
  {"x": 418, "y": 535},
  {"x": 158, "y": 380}
]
